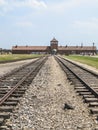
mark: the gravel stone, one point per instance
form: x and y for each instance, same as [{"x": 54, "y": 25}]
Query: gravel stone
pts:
[{"x": 42, "y": 106}]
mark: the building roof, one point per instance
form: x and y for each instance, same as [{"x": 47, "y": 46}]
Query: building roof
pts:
[
  {"x": 74, "y": 48},
  {"x": 30, "y": 48},
  {"x": 60, "y": 48},
  {"x": 54, "y": 40}
]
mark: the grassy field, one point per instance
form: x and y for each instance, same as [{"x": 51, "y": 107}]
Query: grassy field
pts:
[
  {"x": 92, "y": 61},
  {"x": 13, "y": 57}
]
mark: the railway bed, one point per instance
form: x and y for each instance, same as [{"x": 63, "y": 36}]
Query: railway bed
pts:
[
  {"x": 42, "y": 107},
  {"x": 85, "y": 84},
  {"x": 13, "y": 85}
]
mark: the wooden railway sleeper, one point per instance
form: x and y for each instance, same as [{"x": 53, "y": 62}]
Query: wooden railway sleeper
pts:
[
  {"x": 6, "y": 108},
  {"x": 5, "y": 115}
]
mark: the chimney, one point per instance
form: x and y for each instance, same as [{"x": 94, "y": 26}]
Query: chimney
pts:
[{"x": 81, "y": 45}]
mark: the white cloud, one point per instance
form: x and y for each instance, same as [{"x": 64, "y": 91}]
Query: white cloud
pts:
[
  {"x": 24, "y": 24},
  {"x": 7, "y": 5},
  {"x": 61, "y": 6},
  {"x": 70, "y": 4},
  {"x": 88, "y": 2},
  {"x": 30, "y": 3},
  {"x": 2, "y": 2},
  {"x": 91, "y": 24}
]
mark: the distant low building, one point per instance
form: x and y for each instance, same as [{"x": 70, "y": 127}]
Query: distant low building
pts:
[{"x": 54, "y": 49}]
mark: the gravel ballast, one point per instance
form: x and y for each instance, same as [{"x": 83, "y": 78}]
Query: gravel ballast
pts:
[{"x": 43, "y": 105}]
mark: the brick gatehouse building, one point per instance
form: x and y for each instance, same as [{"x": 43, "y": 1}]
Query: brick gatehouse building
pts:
[{"x": 54, "y": 48}]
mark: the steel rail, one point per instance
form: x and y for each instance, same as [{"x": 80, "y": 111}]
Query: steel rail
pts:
[
  {"x": 17, "y": 69},
  {"x": 6, "y": 96},
  {"x": 90, "y": 71},
  {"x": 87, "y": 85}
]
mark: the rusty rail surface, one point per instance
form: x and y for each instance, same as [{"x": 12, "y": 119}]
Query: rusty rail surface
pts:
[
  {"x": 16, "y": 81},
  {"x": 85, "y": 83}
]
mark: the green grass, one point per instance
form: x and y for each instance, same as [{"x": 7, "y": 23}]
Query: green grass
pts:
[
  {"x": 92, "y": 61},
  {"x": 13, "y": 57}
]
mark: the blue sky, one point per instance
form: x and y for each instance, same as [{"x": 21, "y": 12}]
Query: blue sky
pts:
[{"x": 36, "y": 22}]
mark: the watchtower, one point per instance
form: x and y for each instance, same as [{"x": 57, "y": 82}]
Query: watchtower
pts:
[{"x": 54, "y": 45}]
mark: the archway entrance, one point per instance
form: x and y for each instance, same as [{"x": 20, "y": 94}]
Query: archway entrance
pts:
[{"x": 54, "y": 51}]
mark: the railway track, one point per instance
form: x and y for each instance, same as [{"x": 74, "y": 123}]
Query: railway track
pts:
[
  {"x": 13, "y": 85},
  {"x": 85, "y": 83}
]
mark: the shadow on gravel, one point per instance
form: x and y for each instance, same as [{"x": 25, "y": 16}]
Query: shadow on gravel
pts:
[{"x": 67, "y": 107}]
